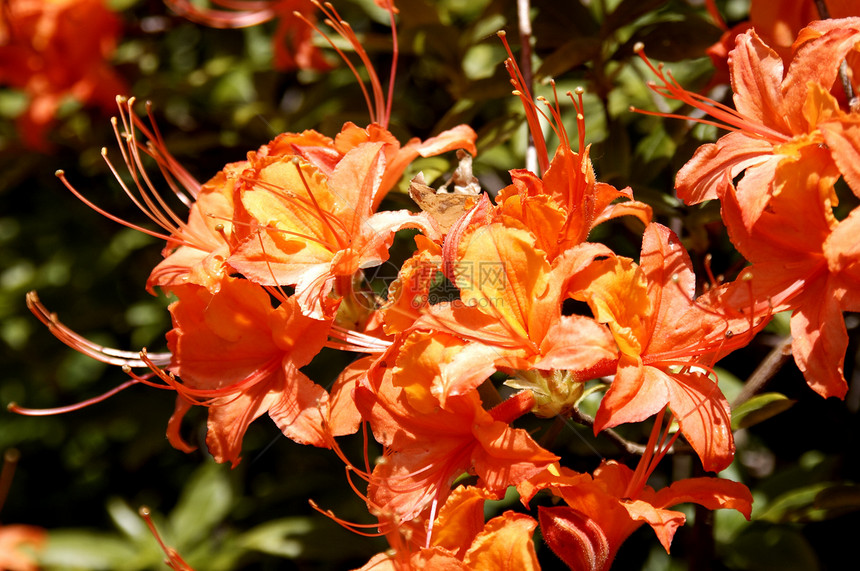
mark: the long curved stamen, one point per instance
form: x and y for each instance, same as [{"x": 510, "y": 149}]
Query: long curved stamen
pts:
[
  {"x": 356, "y": 528},
  {"x": 147, "y": 199},
  {"x": 324, "y": 216},
  {"x": 521, "y": 90},
  {"x": 155, "y": 148},
  {"x": 348, "y": 340},
  {"x": 254, "y": 227},
  {"x": 378, "y": 106},
  {"x": 395, "y": 53},
  {"x": 576, "y": 177},
  {"x": 726, "y": 117},
  {"x": 235, "y": 389},
  {"x": 150, "y": 203},
  {"x": 13, "y": 407},
  {"x": 82, "y": 345},
  {"x": 60, "y": 174},
  {"x": 651, "y": 457},
  {"x": 350, "y": 467}
]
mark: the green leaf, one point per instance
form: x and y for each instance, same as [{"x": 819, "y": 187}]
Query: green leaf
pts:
[
  {"x": 760, "y": 408},
  {"x": 126, "y": 519},
  {"x": 816, "y": 502},
  {"x": 781, "y": 324},
  {"x": 841, "y": 498},
  {"x": 205, "y": 502},
  {"x": 772, "y": 548},
  {"x": 794, "y": 505},
  {"x": 70, "y": 549},
  {"x": 282, "y": 537}
]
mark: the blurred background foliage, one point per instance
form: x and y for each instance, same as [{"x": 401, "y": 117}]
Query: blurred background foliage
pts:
[{"x": 84, "y": 475}]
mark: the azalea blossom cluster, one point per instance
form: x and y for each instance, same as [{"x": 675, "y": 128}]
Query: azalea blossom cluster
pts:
[
  {"x": 268, "y": 267},
  {"x": 44, "y": 53}
]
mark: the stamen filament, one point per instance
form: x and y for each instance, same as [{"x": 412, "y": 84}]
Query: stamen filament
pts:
[
  {"x": 174, "y": 560},
  {"x": 13, "y": 407},
  {"x": 727, "y": 118},
  {"x": 524, "y": 93},
  {"x": 83, "y": 345}
]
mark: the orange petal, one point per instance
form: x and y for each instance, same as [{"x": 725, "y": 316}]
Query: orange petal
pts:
[{"x": 505, "y": 544}]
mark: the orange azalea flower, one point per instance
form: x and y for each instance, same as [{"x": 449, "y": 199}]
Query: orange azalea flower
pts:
[
  {"x": 603, "y": 510},
  {"x": 320, "y": 224},
  {"x": 563, "y": 206},
  {"x": 53, "y": 49},
  {"x": 659, "y": 326},
  {"x": 509, "y": 317},
  {"x": 195, "y": 250},
  {"x": 780, "y": 117},
  {"x": 315, "y": 229},
  {"x": 324, "y": 153},
  {"x": 239, "y": 356},
  {"x": 314, "y": 200},
  {"x": 461, "y": 540},
  {"x": 427, "y": 446},
  {"x": 804, "y": 260}
]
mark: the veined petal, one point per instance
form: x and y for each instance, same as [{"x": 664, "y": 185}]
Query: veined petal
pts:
[
  {"x": 664, "y": 522},
  {"x": 669, "y": 271},
  {"x": 354, "y": 184},
  {"x": 712, "y": 493},
  {"x": 505, "y": 544},
  {"x": 758, "y": 186},
  {"x": 757, "y": 73},
  {"x": 506, "y": 456},
  {"x": 617, "y": 294},
  {"x": 713, "y": 166},
  {"x": 636, "y": 393},
  {"x": 230, "y": 417},
  {"x": 704, "y": 416},
  {"x": 840, "y": 131},
  {"x": 819, "y": 338},
  {"x": 842, "y": 248},
  {"x": 376, "y": 233},
  {"x": 344, "y": 417},
  {"x": 460, "y": 520},
  {"x": 574, "y": 343},
  {"x": 539, "y": 214},
  {"x": 500, "y": 271},
  {"x": 296, "y": 211},
  {"x": 818, "y": 52},
  {"x": 301, "y": 408},
  {"x": 633, "y": 208}
]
